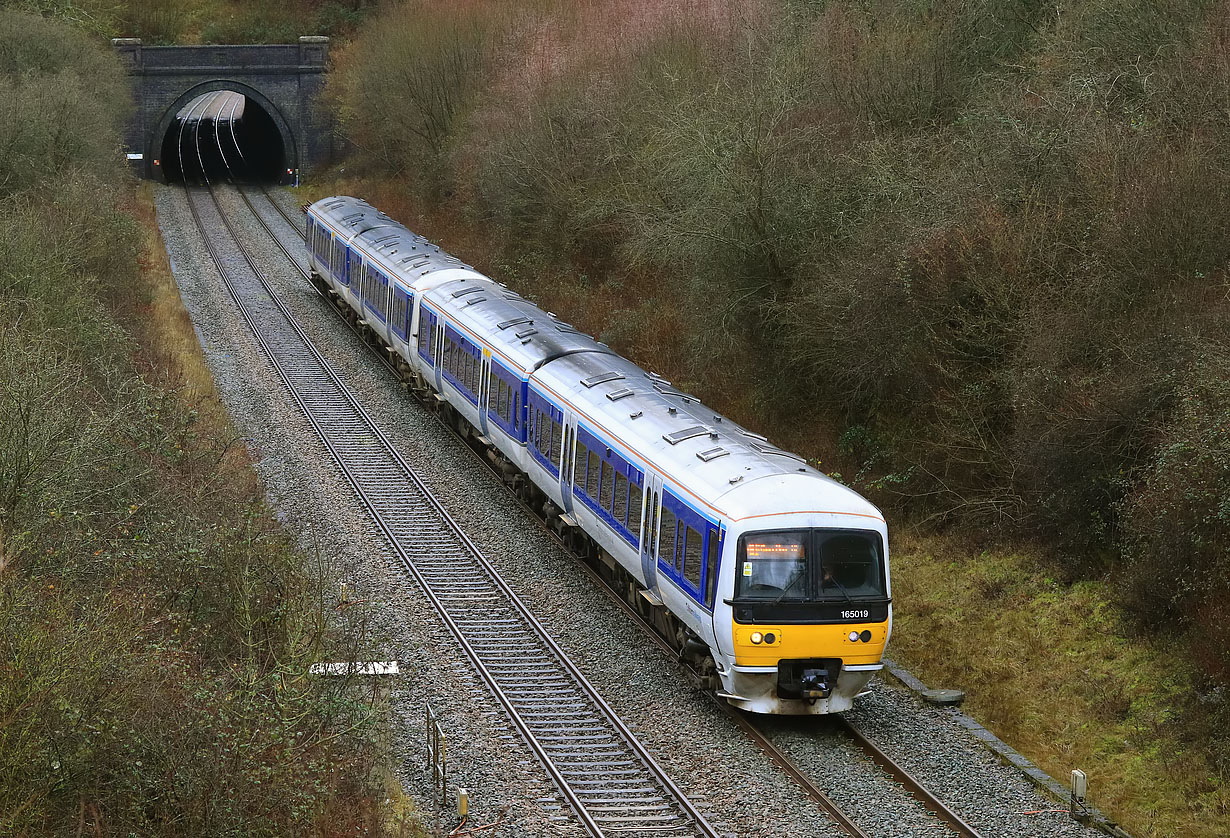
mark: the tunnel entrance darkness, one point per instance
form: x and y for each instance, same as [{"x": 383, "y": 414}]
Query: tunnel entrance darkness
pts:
[{"x": 223, "y": 136}]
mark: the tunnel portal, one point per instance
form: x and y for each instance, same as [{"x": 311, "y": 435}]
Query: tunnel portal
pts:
[
  {"x": 223, "y": 136},
  {"x": 267, "y": 94}
]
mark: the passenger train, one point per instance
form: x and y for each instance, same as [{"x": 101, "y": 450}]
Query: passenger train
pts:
[{"x": 770, "y": 579}]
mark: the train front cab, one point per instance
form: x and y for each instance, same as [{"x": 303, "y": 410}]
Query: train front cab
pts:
[{"x": 809, "y": 611}]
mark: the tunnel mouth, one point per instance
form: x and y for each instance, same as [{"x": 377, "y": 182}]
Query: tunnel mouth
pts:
[{"x": 223, "y": 136}]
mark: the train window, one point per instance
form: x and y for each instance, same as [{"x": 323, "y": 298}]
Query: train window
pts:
[
  {"x": 711, "y": 567},
  {"x": 517, "y": 408},
  {"x": 592, "y": 476},
  {"x": 773, "y": 565},
  {"x": 580, "y": 462},
  {"x": 666, "y": 542},
  {"x": 850, "y": 566},
  {"x": 557, "y": 442},
  {"x": 620, "y": 509},
  {"x": 608, "y": 486},
  {"x": 504, "y": 405},
  {"x": 636, "y": 499},
  {"x": 693, "y": 549}
]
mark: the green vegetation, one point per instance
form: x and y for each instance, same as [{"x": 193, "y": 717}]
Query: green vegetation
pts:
[
  {"x": 156, "y": 625},
  {"x": 969, "y": 253}
]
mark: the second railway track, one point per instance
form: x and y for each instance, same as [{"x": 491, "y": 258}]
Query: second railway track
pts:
[{"x": 611, "y": 781}]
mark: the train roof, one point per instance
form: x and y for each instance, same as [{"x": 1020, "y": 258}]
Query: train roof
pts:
[
  {"x": 402, "y": 254},
  {"x": 523, "y": 335},
  {"x": 721, "y": 464}
]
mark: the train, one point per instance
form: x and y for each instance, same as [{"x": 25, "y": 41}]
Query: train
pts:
[{"x": 769, "y": 578}]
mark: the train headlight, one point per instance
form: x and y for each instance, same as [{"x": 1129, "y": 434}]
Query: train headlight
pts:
[
  {"x": 770, "y": 637},
  {"x": 757, "y": 637},
  {"x": 865, "y": 636},
  {"x": 854, "y": 637}
]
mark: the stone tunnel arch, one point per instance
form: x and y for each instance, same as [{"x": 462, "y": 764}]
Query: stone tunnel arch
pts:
[
  {"x": 283, "y": 80},
  {"x": 154, "y": 142}
]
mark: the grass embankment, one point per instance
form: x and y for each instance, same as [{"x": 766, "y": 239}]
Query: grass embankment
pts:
[
  {"x": 1055, "y": 670},
  {"x": 156, "y": 624}
]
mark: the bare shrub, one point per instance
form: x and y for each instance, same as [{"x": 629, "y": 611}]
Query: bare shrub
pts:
[{"x": 407, "y": 83}]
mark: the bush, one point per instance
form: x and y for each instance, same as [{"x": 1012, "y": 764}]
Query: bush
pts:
[
  {"x": 156, "y": 627},
  {"x": 405, "y": 87}
]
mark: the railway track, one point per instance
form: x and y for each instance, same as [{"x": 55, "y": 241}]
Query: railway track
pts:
[
  {"x": 611, "y": 781},
  {"x": 745, "y": 723}
]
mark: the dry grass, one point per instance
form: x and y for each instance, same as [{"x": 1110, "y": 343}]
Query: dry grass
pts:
[
  {"x": 169, "y": 352},
  {"x": 1051, "y": 670}
]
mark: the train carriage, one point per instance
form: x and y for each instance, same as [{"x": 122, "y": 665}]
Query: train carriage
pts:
[{"x": 771, "y": 579}]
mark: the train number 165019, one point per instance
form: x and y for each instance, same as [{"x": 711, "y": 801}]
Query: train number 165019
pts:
[{"x": 855, "y": 615}]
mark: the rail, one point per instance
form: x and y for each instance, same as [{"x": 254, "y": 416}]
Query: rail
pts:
[{"x": 611, "y": 781}]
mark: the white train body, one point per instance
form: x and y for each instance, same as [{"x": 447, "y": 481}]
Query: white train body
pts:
[{"x": 733, "y": 548}]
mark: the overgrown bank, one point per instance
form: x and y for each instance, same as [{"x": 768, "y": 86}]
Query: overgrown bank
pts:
[
  {"x": 156, "y": 625},
  {"x": 970, "y": 254}
]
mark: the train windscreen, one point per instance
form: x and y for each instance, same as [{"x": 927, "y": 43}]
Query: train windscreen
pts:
[{"x": 811, "y": 565}]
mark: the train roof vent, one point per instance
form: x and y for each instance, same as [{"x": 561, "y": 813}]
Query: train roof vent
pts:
[
  {"x": 525, "y": 333},
  {"x": 474, "y": 300},
  {"x": 601, "y": 378},
  {"x": 473, "y": 289},
  {"x": 756, "y": 437},
  {"x": 711, "y": 454},
  {"x": 687, "y": 433},
  {"x": 567, "y": 329},
  {"x": 777, "y": 452},
  {"x": 616, "y": 395},
  {"x": 516, "y": 321},
  {"x": 653, "y": 376}
]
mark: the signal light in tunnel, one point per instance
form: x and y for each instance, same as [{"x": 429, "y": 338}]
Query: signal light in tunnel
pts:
[{"x": 156, "y": 162}]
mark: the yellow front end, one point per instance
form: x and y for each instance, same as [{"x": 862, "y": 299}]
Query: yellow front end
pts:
[
  {"x": 789, "y": 642},
  {"x": 765, "y": 652}
]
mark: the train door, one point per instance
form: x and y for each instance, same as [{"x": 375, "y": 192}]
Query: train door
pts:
[
  {"x": 649, "y": 531},
  {"x": 484, "y": 391},
  {"x": 437, "y": 346},
  {"x": 567, "y": 463}
]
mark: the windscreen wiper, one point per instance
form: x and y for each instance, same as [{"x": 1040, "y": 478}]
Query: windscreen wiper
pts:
[
  {"x": 786, "y": 589},
  {"x": 840, "y": 587}
]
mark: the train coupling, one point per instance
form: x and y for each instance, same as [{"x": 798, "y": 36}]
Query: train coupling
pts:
[{"x": 807, "y": 678}]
